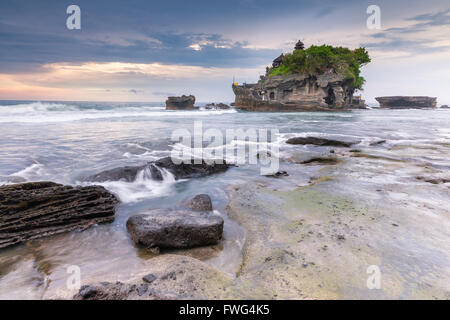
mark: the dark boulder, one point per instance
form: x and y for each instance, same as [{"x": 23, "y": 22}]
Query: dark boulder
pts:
[
  {"x": 191, "y": 169},
  {"x": 163, "y": 228},
  {"x": 201, "y": 202},
  {"x": 321, "y": 141},
  {"x": 181, "y": 103},
  {"x": 38, "y": 209}
]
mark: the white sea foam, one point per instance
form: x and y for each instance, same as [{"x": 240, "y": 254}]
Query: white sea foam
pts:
[
  {"x": 143, "y": 187},
  {"x": 40, "y": 112},
  {"x": 31, "y": 172}
]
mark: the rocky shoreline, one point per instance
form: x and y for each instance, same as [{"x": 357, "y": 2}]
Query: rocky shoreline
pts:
[{"x": 302, "y": 243}]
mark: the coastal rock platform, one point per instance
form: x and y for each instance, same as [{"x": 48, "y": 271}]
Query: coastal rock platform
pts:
[{"x": 39, "y": 209}]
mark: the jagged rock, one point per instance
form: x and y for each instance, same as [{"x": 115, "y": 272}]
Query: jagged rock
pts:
[
  {"x": 38, "y": 209},
  {"x": 321, "y": 141},
  {"x": 292, "y": 93},
  {"x": 201, "y": 202},
  {"x": 180, "y": 171},
  {"x": 115, "y": 291},
  {"x": 165, "y": 228},
  {"x": 400, "y": 102},
  {"x": 181, "y": 103}
]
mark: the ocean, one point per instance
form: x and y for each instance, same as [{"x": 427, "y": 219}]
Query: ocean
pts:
[{"x": 65, "y": 142}]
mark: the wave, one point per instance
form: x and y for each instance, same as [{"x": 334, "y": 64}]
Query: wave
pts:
[
  {"x": 143, "y": 187},
  {"x": 38, "y": 112}
]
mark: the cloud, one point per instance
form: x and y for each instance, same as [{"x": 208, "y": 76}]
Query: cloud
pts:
[
  {"x": 164, "y": 94},
  {"x": 429, "y": 34},
  {"x": 326, "y": 11}
]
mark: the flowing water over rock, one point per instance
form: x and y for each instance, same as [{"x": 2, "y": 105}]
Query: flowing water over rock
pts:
[{"x": 311, "y": 233}]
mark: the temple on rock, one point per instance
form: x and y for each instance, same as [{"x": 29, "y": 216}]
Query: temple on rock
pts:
[{"x": 289, "y": 86}]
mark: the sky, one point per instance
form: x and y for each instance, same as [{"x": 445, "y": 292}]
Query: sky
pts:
[{"x": 147, "y": 50}]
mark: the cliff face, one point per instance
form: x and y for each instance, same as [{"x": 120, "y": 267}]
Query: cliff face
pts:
[
  {"x": 296, "y": 92},
  {"x": 406, "y": 102}
]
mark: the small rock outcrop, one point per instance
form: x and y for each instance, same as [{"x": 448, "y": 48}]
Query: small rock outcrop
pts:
[
  {"x": 321, "y": 141},
  {"x": 180, "y": 171},
  {"x": 403, "y": 102},
  {"x": 445, "y": 106},
  {"x": 201, "y": 202},
  {"x": 39, "y": 209},
  {"x": 164, "y": 228},
  {"x": 181, "y": 103},
  {"x": 213, "y": 105}
]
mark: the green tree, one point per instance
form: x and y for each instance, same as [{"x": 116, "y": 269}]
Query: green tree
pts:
[{"x": 320, "y": 59}]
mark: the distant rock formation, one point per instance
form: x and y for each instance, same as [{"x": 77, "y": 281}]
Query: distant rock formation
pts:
[
  {"x": 181, "y": 103},
  {"x": 295, "y": 92},
  {"x": 404, "y": 102},
  {"x": 39, "y": 209},
  {"x": 445, "y": 106},
  {"x": 325, "y": 91}
]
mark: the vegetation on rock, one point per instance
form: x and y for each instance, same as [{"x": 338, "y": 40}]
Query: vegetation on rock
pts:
[{"x": 325, "y": 58}]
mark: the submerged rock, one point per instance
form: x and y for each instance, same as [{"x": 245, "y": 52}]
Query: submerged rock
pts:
[
  {"x": 322, "y": 160},
  {"x": 278, "y": 174},
  {"x": 155, "y": 170},
  {"x": 181, "y": 103},
  {"x": 39, "y": 209},
  {"x": 321, "y": 141},
  {"x": 376, "y": 143},
  {"x": 165, "y": 228},
  {"x": 434, "y": 180},
  {"x": 115, "y": 291},
  {"x": 201, "y": 202},
  {"x": 172, "y": 277},
  {"x": 124, "y": 173}
]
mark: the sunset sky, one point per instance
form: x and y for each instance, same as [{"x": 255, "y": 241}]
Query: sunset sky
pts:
[{"x": 146, "y": 50}]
